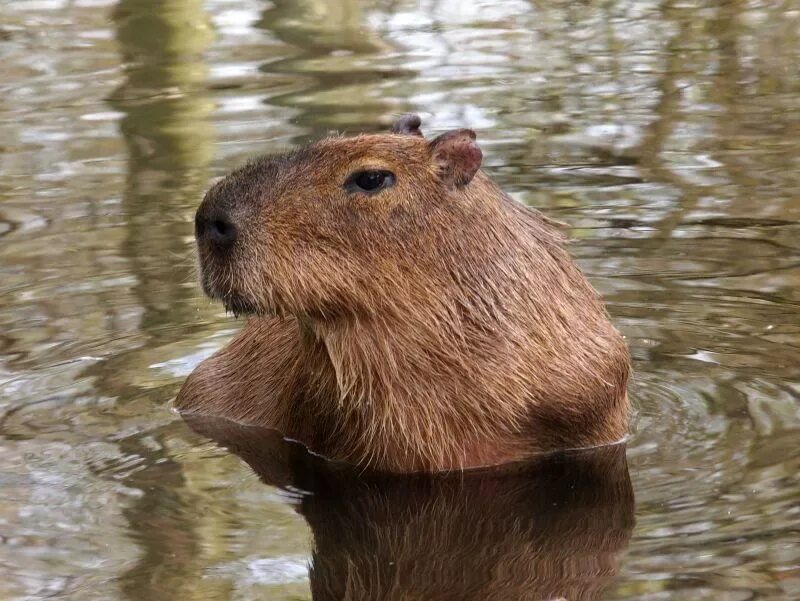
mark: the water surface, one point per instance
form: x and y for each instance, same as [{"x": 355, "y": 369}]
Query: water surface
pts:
[{"x": 666, "y": 134}]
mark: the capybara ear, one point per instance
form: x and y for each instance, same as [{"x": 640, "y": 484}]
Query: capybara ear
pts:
[
  {"x": 459, "y": 156},
  {"x": 408, "y": 125}
]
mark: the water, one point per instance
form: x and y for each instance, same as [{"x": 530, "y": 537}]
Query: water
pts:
[{"x": 666, "y": 134}]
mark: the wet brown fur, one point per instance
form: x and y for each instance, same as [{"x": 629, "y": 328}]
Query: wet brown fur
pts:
[{"x": 438, "y": 324}]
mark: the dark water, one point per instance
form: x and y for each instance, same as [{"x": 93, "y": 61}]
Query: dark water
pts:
[{"x": 667, "y": 134}]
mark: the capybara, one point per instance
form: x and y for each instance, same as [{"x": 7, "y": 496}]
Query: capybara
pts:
[
  {"x": 405, "y": 314},
  {"x": 548, "y": 528}
]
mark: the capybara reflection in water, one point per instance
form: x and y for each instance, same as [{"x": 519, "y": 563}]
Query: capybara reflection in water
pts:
[
  {"x": 549, "y": 528},
  {"x": 404, "y": 312}
]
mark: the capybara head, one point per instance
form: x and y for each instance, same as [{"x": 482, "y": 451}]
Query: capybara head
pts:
[{"x": 339, "y": 227}]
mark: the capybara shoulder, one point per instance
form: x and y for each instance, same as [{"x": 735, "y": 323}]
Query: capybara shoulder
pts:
[{"x": 404, "y": 313}]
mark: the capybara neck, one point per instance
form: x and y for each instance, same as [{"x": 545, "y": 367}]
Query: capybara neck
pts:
[{"x": 432, "y": 323}]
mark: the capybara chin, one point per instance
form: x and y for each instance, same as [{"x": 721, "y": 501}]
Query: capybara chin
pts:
[{"x": 405, "y": 313}]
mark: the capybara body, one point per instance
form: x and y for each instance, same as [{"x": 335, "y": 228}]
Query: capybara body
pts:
[{"x": 405, "y": 313}]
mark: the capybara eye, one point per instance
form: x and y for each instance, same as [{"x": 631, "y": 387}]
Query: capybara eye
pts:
[{"x": 370, "y": 181}]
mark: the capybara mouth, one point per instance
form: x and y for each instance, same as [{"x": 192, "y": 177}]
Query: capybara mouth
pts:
[
  {"x": 234, "y": 302},
  {"x": 239, "y": 305}
]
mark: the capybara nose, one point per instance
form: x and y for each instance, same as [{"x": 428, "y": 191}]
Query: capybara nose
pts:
[{"x": 215, "y": 229}]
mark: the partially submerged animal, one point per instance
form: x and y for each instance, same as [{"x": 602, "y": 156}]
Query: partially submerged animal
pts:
[{"x": 404, "y": 312}]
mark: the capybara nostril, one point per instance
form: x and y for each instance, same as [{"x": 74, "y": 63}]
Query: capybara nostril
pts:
[
  {"x": 222, "y": 232},
  {"x": 216, "y": 230}
]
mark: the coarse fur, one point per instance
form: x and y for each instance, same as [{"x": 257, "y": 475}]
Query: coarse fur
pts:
[{"x": 435, "y": 324}]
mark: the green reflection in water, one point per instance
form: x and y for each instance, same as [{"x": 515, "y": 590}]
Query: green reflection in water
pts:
[
  {"x": 170, "y": 143},
  {"x": 666, "y": 134}
]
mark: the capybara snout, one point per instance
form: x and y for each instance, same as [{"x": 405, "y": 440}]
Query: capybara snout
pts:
[{"x": 327, "y": 230}]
